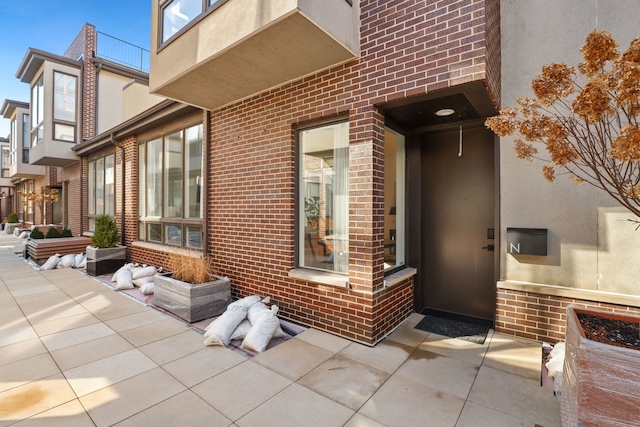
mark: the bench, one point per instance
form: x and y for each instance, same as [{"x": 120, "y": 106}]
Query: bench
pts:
[{"x": 40, "y": 250}]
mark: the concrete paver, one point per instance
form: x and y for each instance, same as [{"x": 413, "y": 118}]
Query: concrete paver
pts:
[{"x": 73, "y": 352}]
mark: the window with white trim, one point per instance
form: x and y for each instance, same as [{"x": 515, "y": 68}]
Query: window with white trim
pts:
[{"x": 37, "y": 111}]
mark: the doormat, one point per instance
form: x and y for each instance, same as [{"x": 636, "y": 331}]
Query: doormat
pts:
[{"x": 455, "y": 325}]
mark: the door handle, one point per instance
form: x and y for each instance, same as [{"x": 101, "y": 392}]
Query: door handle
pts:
[{"x": 490, "y": 248}]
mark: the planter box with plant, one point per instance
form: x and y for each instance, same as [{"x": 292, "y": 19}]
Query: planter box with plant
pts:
[
  {"x": 601, "y": 374},
  {"x": 12, "y": 222},
  {"x": 104, "y": 255},
  {"x": 191, "y": 291}
]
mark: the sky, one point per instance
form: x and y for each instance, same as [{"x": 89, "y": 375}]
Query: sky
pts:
[{"x": 51, "y": 26}]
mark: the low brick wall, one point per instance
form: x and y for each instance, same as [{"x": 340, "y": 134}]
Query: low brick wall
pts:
[{"x": 542, "y": 317}]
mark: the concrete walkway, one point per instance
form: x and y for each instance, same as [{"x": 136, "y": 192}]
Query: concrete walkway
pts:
[{"x": 74, "y": 352}]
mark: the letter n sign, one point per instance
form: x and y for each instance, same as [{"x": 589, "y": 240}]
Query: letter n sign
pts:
[{"x": 527, "y": 241}]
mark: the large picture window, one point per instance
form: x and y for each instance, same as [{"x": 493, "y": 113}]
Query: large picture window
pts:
[
  {"x": 170, "y": 178},
  {"x": 14, "y": 141},
  {"x": 394, "y": 200},
  {"x": 25, "y": 139},
  {"x": 101, "y": 188},
  {"x": 323, "y": 215},
  {"x": 5, "y": 161},
  {"x": 37, "y": 111},
  {"x": 64, "y": 106}
]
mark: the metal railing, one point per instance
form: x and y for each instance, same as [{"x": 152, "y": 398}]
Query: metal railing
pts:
[{"x": 122, "y": 52}]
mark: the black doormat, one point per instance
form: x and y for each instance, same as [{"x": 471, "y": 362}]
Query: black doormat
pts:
[{"x": 455, "y": 325}]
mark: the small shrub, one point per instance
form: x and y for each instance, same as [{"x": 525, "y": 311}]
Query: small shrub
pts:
[
  {"x": 36, "y": 234},
  {"x": 190, "y": 269},
  {"x": 106, "y": 233},
  {"x": 66, "y": 233},
  {"x": 13, "y": 218},
  {"x": 53, "y": 233}
]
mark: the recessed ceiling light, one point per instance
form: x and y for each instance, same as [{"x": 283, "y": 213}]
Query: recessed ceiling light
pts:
[{"x": 445, "y": 112}]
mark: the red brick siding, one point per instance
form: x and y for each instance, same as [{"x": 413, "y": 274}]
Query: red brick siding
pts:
[
  {"x": 131, "y": 216},
  {"x": 541, "y": 317},
  {"x": 75, "y": 185},
  {"x": 407, "y": 48},
  {"x": 494, "y": 50},
  {"x": 89, "y": 85}
]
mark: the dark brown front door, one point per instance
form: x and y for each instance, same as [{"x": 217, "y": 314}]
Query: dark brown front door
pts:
[{"x": 457, "y": 205}]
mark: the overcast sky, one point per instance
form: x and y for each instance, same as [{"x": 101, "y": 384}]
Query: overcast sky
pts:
[{"x": 51, "y": 25}]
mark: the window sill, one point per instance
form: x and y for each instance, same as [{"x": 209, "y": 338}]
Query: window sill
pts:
[
  {"x": 167, "y": 249},
  {"x": 323, "y": 277},
  {"x": 399, "y": 276}
]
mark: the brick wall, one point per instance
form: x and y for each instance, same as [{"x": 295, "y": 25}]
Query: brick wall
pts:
[
  {"x": 541, "y": 317},
  {"x": 72, "y": 208},
  {"x": 407, "y": 48},
  {"x": 130, "y": 165}
]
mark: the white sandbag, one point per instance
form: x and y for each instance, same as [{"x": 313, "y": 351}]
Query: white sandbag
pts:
[
  {"x": 78, "y": 259},
  {"x": 242, "y": 303},
  {"x": 67, "y": 261},
  {"x": 23, "y": 235},
  {"x": 148, "y": 288},
  {"x": 51, "y": 263},
  {"x": 261, "y": 332},
  {"x": 127, "y": 267},
  {"x": 147, "y": 271},
  {"x": 220, "y": 329},
  {"x": 123, "y": 281},
  {"x": 141, "y": 281},
  {"x": 241, "y": 331},
  {"x": 555, "y": 364},
  {"x": 82, "y": 263},
  {"x": 257, "y": 309}
]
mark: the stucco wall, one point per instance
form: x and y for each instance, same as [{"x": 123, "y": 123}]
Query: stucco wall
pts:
[{"x": 591, "y": 243}]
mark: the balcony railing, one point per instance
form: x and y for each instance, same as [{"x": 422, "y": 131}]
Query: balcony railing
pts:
[{"x": 122, "y": 52}]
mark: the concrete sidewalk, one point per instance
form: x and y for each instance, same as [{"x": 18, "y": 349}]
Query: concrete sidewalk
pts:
[{"x": 74, "y": 352}]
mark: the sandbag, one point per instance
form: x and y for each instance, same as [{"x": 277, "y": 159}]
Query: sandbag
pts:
[
  {"x": 257, "y": 309},
  {"x": 220, "y": 329},
  {"x": 83, "y": 263},
  {"x": 123, "y": 281},
  {"x": 148, "y": 288},
  {"x": 141, "y": 281},
  {"x": 67, "y": 261},
  {"x": 128, "y": 266},
  {"x": 242, "y": 303},
  {"x": 23, "y": 235},
  {"x": 51, "y": 263},
  {"x": 146, "y": 271},
  {"x": 78, "y": 259},
  {"x": 241, "y": 331},
  {"x": 261, "y": 332}
]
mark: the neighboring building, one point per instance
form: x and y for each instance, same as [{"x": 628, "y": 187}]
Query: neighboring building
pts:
[{"x": 74, "y": 97}]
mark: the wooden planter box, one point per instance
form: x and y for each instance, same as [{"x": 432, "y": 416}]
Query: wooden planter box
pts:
[
  {"x": 601, "y": 381},
  {"x": 39, "y": 250},
  {"x": 105, "y": 260},
  {"x": 192, "y": 302}
]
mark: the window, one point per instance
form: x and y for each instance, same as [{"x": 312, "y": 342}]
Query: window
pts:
[
  {"x": 25, "y": 139},
  {"x": 170, "y": 177},
  {"x": 323, "y": 218},
  {"x": 5, "y": 161},
  {"x": 101, "y": 188},
  {"x": 394, "y": 181},
  {"x": 37, "y": 111},
  {"x": 64, "y": 106},
  {"x": 14, "y": 141},
  {"x": 178, "y": 13}
]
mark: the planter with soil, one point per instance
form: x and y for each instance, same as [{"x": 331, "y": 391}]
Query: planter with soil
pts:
[{"x": 601, "y": 369}]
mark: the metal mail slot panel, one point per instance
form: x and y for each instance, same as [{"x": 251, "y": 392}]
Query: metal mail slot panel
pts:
[{"x": 527, "y": 241}]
